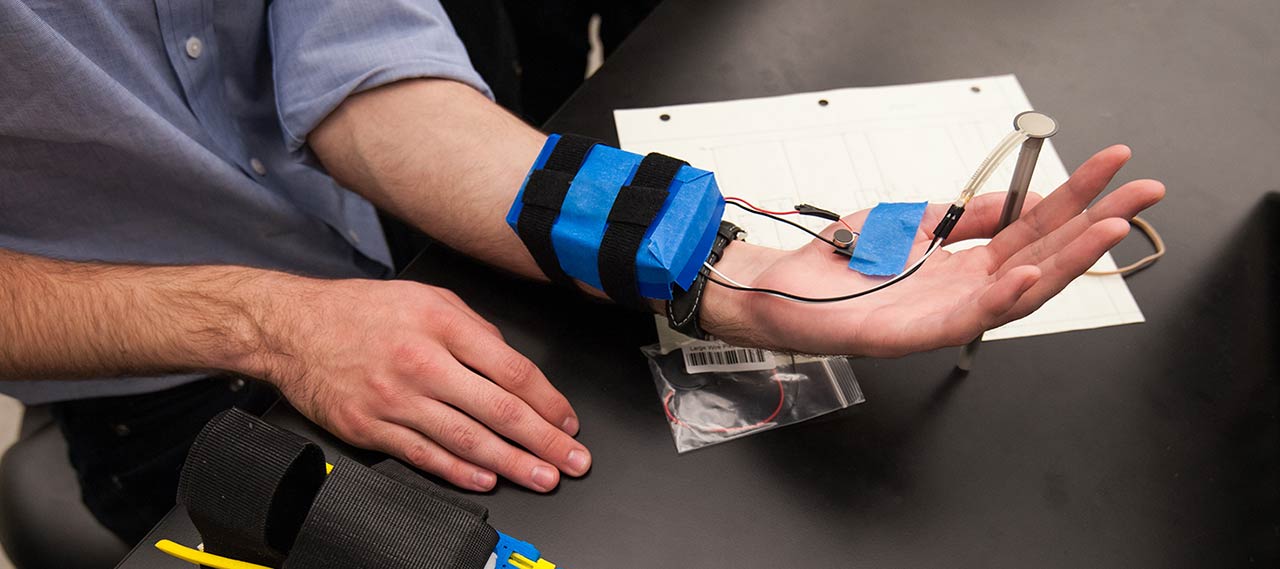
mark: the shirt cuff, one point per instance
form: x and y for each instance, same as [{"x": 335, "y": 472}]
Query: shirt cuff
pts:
[{"x": 326, "y": 51}]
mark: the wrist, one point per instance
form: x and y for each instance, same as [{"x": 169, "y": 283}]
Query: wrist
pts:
[
  {"x": 727, "y": 314},
  {"x": 254, "y": 321}
]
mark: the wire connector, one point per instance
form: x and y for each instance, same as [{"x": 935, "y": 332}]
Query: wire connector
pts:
[
  {"x": 815, "y": 211},
  {"x": 948, "y": 221}
]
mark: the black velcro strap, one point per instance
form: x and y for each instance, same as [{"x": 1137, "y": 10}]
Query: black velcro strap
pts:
[
  {"x": 637, "y": 205},
  {"x": 550, "y": 188},
  {"x": 390, "y": 518},
  {"x": 634, "y": 210},
  {"x": 569, "y": 153},
  {"x": 247, "y": 486},
  {"x": 544, "y": 196},
  {"x": 657, "y": 171}
]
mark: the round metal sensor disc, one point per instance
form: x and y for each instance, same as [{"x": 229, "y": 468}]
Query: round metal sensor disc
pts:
[
  {"x": 1035, "y": 125},
  {"x": 843, "y": 237}
]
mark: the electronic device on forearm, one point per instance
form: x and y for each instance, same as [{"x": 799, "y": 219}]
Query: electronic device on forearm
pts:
[
  {"x": 630, "y": 225},
  {"x": 649, "y": 227}
]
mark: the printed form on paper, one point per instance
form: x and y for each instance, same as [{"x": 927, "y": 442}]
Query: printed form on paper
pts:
[{"x": 849, "y": 149}]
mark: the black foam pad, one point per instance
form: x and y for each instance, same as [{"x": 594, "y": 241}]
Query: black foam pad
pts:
[
  {"x": 388, "y": 517},
  {"x": 248, "y": 485}
]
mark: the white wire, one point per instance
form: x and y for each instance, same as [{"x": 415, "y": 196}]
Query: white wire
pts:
[
  {"x": 980, "y": 176},
  {"x": 727, "y": 278},
  {"x": 937, "y": 244}
]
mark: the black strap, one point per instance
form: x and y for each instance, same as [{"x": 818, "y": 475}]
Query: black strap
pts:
[
  {"x": 633, "y": 211},
  {"x": 543, "y": 197},
  {"x": 390, "y": 518},
  {"x": 248, "y": 485},
  {"x": 685, "y": 305}
]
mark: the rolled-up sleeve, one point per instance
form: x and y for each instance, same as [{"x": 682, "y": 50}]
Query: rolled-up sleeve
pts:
[{"x": 327, "y": 50}]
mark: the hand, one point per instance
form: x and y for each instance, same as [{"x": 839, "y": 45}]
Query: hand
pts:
[
  {"x": 954, "y": 296},
  {"x": 411, "y": 371}
]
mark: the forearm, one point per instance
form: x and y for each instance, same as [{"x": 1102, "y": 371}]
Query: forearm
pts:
[
  {"x": 439, "y": 155},
  {"x": 63, "y": 320},
  {"x": 443, "y": 157}
]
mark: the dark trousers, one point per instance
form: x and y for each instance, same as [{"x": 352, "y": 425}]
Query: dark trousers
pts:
[{"x": 127, "y": 451}]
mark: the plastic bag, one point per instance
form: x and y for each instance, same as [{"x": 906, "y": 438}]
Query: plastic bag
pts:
[{"x": 712, "y": 392}]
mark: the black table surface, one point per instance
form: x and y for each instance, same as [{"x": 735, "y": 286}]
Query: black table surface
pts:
[{"x": 1150, "y": 445}]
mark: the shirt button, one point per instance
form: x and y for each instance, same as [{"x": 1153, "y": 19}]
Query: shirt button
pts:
[
  {"x": 355, "y": 237},
  {"x": 258, "y": 166},
  {"x": 195, "y": 47}
]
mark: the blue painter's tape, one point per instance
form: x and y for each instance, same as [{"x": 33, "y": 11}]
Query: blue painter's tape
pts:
[
  {"x": 693, "y": 208},
  {"x": 703, "y": 250},
  {"x": 887, "y": 235},
  {"x": 691, "y": 266},
  {"x": 672, "y": 249},
  {"x": 578, "y": 232}
]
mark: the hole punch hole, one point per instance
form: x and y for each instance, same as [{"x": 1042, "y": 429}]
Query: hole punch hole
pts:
[
  {"x": 975, "y": 89},
  {"x": 823, "y": 102},
  {"x": 664, "y": 117}
]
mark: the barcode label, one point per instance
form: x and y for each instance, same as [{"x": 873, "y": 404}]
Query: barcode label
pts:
[{"x": 703, "y": 357}]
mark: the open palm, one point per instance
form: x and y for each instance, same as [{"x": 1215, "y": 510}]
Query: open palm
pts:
[{"x": 953, "y": 297}]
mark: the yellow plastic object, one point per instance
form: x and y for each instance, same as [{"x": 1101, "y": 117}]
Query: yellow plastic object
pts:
[
  {"x": 201, "y": 558},
  {"x": 522, "y": 562},
  {"x": 198, "y": 557}
]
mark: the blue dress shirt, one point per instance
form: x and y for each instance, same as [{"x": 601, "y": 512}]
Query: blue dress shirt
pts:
[{"x": 174, "y": 131}]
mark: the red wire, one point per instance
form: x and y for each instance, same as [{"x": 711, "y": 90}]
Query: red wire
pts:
[
  {"x": 770, "y": 212},
  {"x": 760, "y": 209},
  {"x": 782, "y": 395}
]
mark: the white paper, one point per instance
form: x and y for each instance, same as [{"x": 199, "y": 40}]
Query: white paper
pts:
[{"x": 849, "y": 149}]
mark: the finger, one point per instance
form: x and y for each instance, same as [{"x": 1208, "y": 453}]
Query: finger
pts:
[
  {"x": 494, "y": 359},
  {"x": 428, "y": 456},
  {"x": 1072, "y": 261},
  {"x": 981, "y": 219},
  {"x": 513, "y": 418},
  {"x": 471, "y": 441},
  {"x": 455, "y": 300},
  {"x": 1124, "y": 203},
  {"x": 902, "y": 330},
  {"x": 1062, "y": 204},
  {"x": 992, "y": 307}
]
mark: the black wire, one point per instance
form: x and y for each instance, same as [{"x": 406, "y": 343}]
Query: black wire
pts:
[
  {"x": 786, "y": 221},
  {"x": 850, "y": 296}
]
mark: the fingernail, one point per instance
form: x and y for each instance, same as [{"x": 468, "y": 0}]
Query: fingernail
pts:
[
  {"x": 570, "y": 425},
  {"x": 484, "y": 480},
  {"x": 544, "y": 477},
  {"x": 579, "y": 461}
]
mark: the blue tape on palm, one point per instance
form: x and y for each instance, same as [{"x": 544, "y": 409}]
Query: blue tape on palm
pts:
[
  {"x": 675, "y": 244},
  {"x": 886, "y": 239}
]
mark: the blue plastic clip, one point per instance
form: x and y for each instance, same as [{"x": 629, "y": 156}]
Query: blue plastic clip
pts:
[{"x": 515, "y": 554}]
